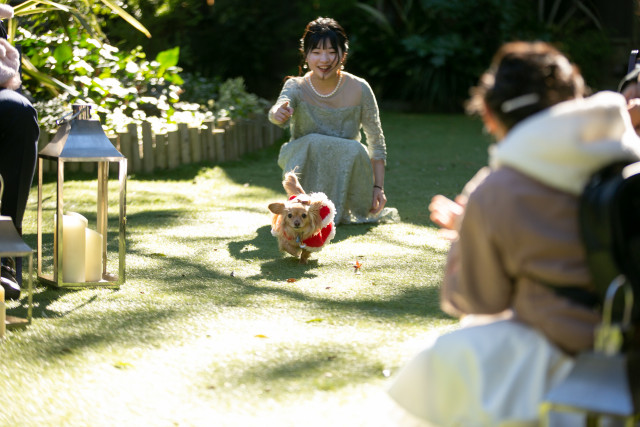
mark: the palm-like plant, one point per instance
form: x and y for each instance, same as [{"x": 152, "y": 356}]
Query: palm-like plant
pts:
[{"x": 85, "y": 18}]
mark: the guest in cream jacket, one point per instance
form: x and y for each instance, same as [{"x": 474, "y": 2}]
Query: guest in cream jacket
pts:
[{"x": 516, "y": 272}]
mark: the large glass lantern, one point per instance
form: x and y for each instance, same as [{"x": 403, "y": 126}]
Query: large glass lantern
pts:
[{"x": 80, "y": 251}]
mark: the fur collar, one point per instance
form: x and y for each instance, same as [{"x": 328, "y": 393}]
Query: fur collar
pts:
[{"x": 564, "y": 145}]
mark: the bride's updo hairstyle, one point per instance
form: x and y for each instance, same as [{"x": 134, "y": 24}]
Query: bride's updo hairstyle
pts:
[
  {"x": 320, "y": 31},
  {"x": 523, "y": 79}
]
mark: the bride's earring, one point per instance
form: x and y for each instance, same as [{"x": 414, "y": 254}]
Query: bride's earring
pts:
[{"x": 305, "y": 66}]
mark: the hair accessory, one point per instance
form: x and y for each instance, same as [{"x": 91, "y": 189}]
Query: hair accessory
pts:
[
  {"x": 6, "y": 11},
  {"x": 519, "y": 102},
  {"x": 9, "y": 65}
]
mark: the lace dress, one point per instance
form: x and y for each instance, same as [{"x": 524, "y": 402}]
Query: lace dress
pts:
[{"x": 325, "y": 148}]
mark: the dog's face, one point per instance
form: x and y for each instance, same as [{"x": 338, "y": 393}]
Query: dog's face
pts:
[
  {"x": 300, "y": 218},
  {"x": 295, "y": 215}
]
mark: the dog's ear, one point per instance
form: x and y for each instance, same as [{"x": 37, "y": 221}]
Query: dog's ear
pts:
[
  {"x": 314, "y": 214},
  {"x": 277, "y": 208}
]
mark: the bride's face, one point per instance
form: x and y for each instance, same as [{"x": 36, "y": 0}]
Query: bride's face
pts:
[{"x": 324, "y": 60}]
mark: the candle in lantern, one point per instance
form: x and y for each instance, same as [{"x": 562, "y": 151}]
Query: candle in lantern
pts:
[
  {"x": 73, "y": 247},
  {"x": 84, "y": 220},
  {"x": 93, "y": 256}
]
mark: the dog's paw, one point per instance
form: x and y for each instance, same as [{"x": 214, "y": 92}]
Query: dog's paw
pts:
[
  {"x": 292, "y": 250},
  {"x": 304, "y": 257}
]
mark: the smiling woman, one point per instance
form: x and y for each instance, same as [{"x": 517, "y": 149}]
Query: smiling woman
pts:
[{"x": 325, "y": 109}]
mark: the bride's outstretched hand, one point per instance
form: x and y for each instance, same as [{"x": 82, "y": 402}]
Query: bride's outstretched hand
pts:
[{"x": 283, "y": 113}]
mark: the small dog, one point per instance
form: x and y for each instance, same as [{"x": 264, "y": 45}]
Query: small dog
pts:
[{"x": 304, "y": 223}]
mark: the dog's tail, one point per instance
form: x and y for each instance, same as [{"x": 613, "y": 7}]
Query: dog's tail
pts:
[{"x": 292, "y": 185}]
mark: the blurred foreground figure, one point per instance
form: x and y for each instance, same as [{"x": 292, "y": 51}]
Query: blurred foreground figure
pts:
[
  {"x": 19, "y": 133},
  {"x": 516, "y": 273}
]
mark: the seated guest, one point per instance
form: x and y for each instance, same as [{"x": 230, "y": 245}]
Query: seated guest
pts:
[
  {"x": 19, "y": 133},
  {"x": 516, "y": 272}
]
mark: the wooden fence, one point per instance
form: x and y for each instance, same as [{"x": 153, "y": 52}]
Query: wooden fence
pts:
[{"x": 214, "y": 142}]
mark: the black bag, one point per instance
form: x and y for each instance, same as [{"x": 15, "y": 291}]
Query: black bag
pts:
[{"x": 610, "y": 228}]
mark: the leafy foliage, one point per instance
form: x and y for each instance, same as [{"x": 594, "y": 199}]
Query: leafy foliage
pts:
[
  {"x": 125, "y": 86},
  {"x": 432, "y": 51},
  {"x": 424, "y": 52},
  {"x": 235, "y": 101},
  {"x": 46, "y": 14},
  {"x": 65, "y": 64},
  {"x": 119, "y": 84},
  {"x": 255, "y": 39}
]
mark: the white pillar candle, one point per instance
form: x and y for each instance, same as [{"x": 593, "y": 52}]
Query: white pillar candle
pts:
[
  {"x": 93, "y": 256},
  {"x": 3, "y": 314},
  {"x": 73, "y": 247},
  {"x": 84, "y": 220}
]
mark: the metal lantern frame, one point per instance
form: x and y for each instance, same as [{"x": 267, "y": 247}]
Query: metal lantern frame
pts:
[
  {"x": 603, "y": 383},
  {"x": 80, "y": 139},
  {"x": 12, "y": 245}
]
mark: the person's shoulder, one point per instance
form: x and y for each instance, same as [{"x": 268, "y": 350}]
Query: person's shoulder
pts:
[
  {"x": 293, "y": 82},
  {"x": 14, "y": 97},
  {"x": 355, "y": 78},
  {"x": 502, "y": 176},
  {"x": 503, "y": 182},
  {"x": 491, "y": 192},
  {"x": 364, "y": 85}
]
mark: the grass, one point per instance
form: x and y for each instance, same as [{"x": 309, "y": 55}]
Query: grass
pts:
[{"x": 215, "y": 327}]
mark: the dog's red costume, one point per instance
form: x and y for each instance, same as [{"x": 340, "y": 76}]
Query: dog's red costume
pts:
[
  {"x": 328, "y": 231},
  {"x": 316, "y": 242}
]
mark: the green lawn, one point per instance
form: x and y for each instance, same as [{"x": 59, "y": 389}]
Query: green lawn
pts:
[{"x": 209, "y": 329}]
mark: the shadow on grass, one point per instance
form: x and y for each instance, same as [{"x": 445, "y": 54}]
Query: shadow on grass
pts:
[
  {"x": 203, "y": 288},
  {"x": 155, "y": 218},
  {"x": 131, "y": 324},
  {"x": 421, "y": 300},
  {"x": 328, "y": 366},
  {"x": 264, "y": 245}
]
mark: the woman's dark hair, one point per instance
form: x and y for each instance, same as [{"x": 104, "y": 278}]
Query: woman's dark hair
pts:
[
  {"x": 320, "y": 31},
  {"x": 523, "y": 79}
]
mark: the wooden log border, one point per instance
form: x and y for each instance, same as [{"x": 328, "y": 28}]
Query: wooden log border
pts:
[{"x": 213, "y": 142}]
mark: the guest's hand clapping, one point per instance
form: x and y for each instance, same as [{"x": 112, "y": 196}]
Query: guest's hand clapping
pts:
[{"x": 447, "y": 214}]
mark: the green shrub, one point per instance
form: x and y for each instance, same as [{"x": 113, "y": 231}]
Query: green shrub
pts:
[
  {"x": 431, "y": 52},
  {"x": 126, "y": 87}
]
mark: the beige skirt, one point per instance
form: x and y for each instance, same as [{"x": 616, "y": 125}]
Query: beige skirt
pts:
[
  {"x": 337, "y": 167},
  {"x": 492, "y": 374}
]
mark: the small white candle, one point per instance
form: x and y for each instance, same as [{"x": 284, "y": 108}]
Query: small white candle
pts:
[
  {"x": 73, "y": 248},
  {"x": 93, "y": 256}
]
